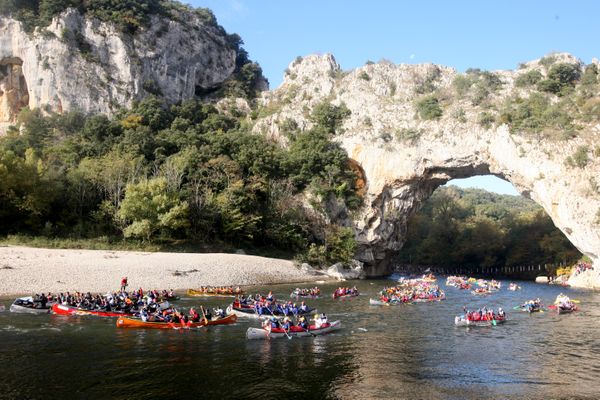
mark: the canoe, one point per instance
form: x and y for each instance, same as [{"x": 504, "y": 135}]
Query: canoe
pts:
[
  {"x": 344, "y": 296},
  {"x": 459, "y": 321},
  {"x": 480, "y": 293},
  {"x": 565, "y": 310},
  {"x": 199, "y": 293},
  {"x": 126, "y": 322},
  {"x": 25, "y": 305},
  {"x": 304, "y": 296},
  {"x": 251, "y": 312},
  {"x": 61, "y": 309},
  {"x": 259, "y": 333},
  {"x": 375, "y": 302}
]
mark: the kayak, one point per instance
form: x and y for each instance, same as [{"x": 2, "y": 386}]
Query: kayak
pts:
[
  {"x": 200, "y": 293},
  {"x": 125, "y": 322},
  {"x": 26, "y": 305},
  {"x": 295, "y": 331},
  {"x": 461, "y": 321},
  {"x": 61, "y": 309},
  {"x": 251, "y": 312}
]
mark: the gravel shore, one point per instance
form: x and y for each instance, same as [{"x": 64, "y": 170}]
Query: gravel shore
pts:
[{"x": 25, "y": 270}]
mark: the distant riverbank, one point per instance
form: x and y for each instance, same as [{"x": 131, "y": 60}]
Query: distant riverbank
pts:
[{"x": 26, "y": 270}]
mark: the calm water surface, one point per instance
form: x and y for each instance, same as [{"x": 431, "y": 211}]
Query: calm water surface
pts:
[{"x": 410, "y": 351}]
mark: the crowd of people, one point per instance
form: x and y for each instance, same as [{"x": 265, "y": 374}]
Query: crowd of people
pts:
[
  {"x": 268, "y": 305},
  {"x": 485, "y": 314},
  {"x": 320, "y": 321},
  {"x": 306, "y": 292}
]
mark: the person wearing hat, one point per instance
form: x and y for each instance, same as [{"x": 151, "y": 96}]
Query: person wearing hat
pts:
[{"x": 287, "y": 324}]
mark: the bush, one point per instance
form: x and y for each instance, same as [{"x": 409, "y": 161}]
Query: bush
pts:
[
  {"x": 529, "y": 78},
  {"x": 560, "y": 76},
  {"x": 329, "y": 117},
  {"x": 429, "y": 108},
  {"x": 364, "y": 76},
  {"x": 580, "y": 157},
  {"x": 486, "y": 119}
]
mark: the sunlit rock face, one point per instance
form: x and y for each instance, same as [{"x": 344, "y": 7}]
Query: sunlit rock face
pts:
[
  {"x": 405, "y": 158},
  {"x": 82, "y": 63}
]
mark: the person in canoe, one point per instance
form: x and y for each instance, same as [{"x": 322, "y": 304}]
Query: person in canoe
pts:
[
  {"x": 270, "y": 296},
  {"x": 302, "y": 323},
  {"x": 287, "y": 324},
  {"x": 194, "y": 316}
]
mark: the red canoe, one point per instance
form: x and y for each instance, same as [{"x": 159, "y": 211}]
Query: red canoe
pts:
[{"x": 61, "y": 309}]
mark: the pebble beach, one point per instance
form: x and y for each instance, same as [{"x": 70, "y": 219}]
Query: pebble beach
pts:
[{"x": 26, "y": 270}]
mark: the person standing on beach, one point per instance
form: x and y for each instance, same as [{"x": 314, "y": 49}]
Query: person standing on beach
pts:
[{"x": 123, "y": 283}]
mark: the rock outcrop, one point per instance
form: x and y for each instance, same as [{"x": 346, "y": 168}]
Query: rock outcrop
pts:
[
  {"x": 82, "y": 63},
  {"x": 405, "y": 158}
]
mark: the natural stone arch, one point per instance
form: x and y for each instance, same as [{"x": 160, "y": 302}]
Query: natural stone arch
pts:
[
  {"x": 405, "y": 158},
  {"x": 14, "y": 94}
]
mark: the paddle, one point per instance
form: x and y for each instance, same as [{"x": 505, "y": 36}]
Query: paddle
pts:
[
  {"x": 284, "y": 331},
  {"x": 204, "y": 316}
]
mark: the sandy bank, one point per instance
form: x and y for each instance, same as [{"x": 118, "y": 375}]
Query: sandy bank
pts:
[{"x": 25, "y": 270}]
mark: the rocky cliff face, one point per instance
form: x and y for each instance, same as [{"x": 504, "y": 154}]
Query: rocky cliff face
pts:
[
  {"x": 82, "y": 63},
  {"x": 405, "y": 158}
]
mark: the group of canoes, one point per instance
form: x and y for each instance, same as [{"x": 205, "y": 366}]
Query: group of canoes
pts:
[
  {"x": 562, "y": 305},
  {"x": 420, "y": 292}
]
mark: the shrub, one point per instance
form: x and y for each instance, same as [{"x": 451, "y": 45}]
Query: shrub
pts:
[
  {"x": 364, "y": 76},
  {"x": 529, "y": 78},
  {"x": 548, "y": 60},
  {"x": 580, "y": 157},
  {"x": 486, "y": 119},
  {"x": 560, "y": 77},
  {"x": 329, "y": 117},
  {"x": 408, "y": 134},
  {"x": 590, "y": 76},
  {"x": 429, "y": 108},
  {"x": 426, "y": 84}
]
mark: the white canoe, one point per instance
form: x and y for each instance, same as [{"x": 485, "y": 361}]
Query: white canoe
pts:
[
  {"x": 458, "y": 321},
  {"x": 259, "y": 333},
  {"x": 26, "y": 306},
  {"x": 254, "y": 315},
  {"x": 375, "y": 302}
]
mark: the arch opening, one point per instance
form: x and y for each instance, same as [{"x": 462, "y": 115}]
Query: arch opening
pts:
[{"x": 483, "y": 225}]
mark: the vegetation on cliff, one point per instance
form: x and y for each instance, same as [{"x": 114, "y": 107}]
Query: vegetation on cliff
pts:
[
  {"x": 187, "y": 173},
  {"x": 475, "y": 228}
]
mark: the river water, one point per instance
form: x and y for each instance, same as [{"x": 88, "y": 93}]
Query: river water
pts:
[{"x": 408, "y": 351}]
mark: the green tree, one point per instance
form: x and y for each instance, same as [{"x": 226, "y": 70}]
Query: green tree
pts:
[{"x": 149, "y": 207}]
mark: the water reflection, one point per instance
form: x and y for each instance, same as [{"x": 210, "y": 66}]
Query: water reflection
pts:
[{"x": 391, "y": 352}]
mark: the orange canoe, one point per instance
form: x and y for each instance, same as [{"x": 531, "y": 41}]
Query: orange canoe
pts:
[{"x": 124, "y": 322}]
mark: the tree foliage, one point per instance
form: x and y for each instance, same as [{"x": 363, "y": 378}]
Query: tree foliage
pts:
[{"x": 475, "y": 228}]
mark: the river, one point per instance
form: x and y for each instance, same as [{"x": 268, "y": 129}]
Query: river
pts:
[{"x": 408, "y": 351}]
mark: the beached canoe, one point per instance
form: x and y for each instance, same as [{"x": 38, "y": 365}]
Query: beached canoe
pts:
[
  {"x": 126, "y": 322},
  {"x": 200, "y": 293},
  {"x": 295, "y": 331},
  {"x": 26, "y": 305},
  {"x": 61, "y": 309},
  {"x": 461, "y": 321}
]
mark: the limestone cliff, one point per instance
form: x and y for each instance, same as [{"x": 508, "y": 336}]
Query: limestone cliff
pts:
[
  {"x": 82, "y": 63},
  {"x": 406, "y": 157}
]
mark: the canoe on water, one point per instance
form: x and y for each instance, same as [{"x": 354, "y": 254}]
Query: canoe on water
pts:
[
  {"x": 126, "y": 322},
  {"x": 26, "y": 305},
  {"x": 61, "y": 309},
  {"x": 296, "y": 331},
  {"x": 461, "y": 321},
  {"x": 251, "y": 312},
  {"x": 375, "y": 302},
  {"x": 200, "y": 293},
  {"x": 344, "y": 296}
]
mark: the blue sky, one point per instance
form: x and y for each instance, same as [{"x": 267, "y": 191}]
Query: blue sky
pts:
[{"x": 483, "y": 34}]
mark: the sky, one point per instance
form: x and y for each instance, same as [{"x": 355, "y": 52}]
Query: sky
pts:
[{"x": 490, "y": 35}]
